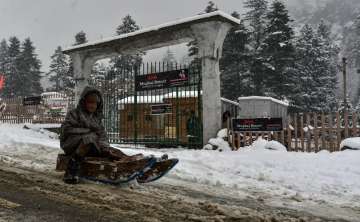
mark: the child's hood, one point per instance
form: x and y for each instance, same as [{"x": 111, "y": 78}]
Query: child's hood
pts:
[{"x": 90, "y": 90}]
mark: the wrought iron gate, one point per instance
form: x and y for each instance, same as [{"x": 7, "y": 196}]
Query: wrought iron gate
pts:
[{"x": 156, "y": 104}]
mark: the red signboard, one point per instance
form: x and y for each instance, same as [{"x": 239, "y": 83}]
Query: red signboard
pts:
[
  {"x": 162, "y": 80},
  {"x": 2, "y": 81},
  {"x": 257, "y": 124}
]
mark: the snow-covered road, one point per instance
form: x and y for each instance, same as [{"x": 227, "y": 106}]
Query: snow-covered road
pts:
[{"x": 324, "y": 180}]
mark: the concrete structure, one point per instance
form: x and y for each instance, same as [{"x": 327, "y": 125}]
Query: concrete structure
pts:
[
  {"x": 262, "y": 107},
  {"x": 209, "y": 30}
]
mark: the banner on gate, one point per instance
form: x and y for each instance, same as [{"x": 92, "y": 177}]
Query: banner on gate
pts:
[{"x": 162, "y": 80}]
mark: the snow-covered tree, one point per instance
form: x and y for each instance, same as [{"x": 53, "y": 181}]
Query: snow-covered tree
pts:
[
  {"x": 128, "y": 25},
  {"x": 256, "y": 17},
  {"x": 126, "y": 63},
  {"x": 211, "y": 7},
  {"x": 235, "y": 78},
  {"x": 330, "y": 65},
  {"x": 192, "y": 45},
  {"x": 278, "y": 50},
  {"x": 169, "y": 58},
  {"x": 28, "y": 71},
  {"x": 11, "y": 85},
  {"x": 69, "y": 83},
  {"x": 59, "y": 70},
  {"x": 80, "y": 38},
  {"x": 313, "y": 84}
]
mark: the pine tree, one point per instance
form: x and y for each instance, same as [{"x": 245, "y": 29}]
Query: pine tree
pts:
[
  {"x": 169, "y": 58},
  {"x": 28, "y": 71},
  {"x": 12, "y": 73},
  {"x": 125, "y": 63},
  {"x": 128, "y": 25},
  {"x": 235, "y": 79},
  {"x": 69, "y": 83},
  {"x": 278, "y": 50},
  {"x": 59, "y": 69},
  {"x": 256, "y": 17},
  {"x": 80, "y": 38},
  {"x": 192, "y": 45},
  {"x": 330, "y": 52},
  {"x": 314, "y": 75},
  {"x": 211, "y": 7}
]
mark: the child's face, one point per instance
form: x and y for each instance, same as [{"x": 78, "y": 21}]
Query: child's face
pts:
[{"x": 91, "y": 103}]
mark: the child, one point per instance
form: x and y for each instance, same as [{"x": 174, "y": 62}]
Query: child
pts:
[{"x": 83, "y": 135}]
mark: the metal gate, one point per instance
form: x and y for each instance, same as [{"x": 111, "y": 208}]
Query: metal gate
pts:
[{"x": 155, "y": 104}]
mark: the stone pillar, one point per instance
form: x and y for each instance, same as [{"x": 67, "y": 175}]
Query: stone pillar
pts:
[
  {"x": 82, "y": 70},
  {"x": 210, "y": 37}
]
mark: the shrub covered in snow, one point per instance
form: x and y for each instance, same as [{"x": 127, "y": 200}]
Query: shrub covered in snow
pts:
[
  {"x": 218, "y": 143},
  {"x": 350, "y": 143},
  {"x": 275, "y": 145}
]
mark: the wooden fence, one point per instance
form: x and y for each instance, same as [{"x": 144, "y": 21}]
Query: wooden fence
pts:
[
  {"x": 306, "y": 132},
  {"x": 14, "y": 112}
]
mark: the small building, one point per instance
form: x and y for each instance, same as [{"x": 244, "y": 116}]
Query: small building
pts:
[
  {"x": 147, "y": 126},
  {"x": 262, "y": 107},
  {"x": 158, "y": 127}
]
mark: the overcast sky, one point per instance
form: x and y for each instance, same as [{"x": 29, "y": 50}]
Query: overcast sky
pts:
[{"x": 50, "y": 23}]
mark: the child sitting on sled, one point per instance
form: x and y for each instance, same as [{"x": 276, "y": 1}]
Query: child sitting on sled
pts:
[{"x": 83, "y": 135}]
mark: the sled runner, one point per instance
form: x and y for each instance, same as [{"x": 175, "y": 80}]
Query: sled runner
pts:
[
  {"x": 156, "y": 171},
  {"x": 107, "y": 171}
]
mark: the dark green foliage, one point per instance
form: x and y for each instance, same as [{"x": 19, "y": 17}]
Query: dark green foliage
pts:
[
  {"x": 278, "y": 50},
  {"x": 29, "y": 71},
  {"x": 21, "y": 67},
  {"x": 235, "y": 78},
  {"x": 126, "y": 63},
  {"x": 59, "y": 70},
  {"x": 80, "y": 38}
]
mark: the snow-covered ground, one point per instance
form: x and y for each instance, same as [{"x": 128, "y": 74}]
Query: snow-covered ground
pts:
[{"x": 324, "y": 177}]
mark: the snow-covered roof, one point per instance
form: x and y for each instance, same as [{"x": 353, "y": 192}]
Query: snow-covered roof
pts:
[
  {"x": 229, "y": 101},
  {"x": 196, "y": 18},
  {"x": 285, "y": 103},
  {"x": 142, "y": 99}
]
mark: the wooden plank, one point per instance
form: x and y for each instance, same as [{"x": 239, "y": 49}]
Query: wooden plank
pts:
[
  {"x": 308, "y": 134},
  {"x": 338, "y": 130},
  {"x": 302, "y": 132},
  {"x": 331, "y": 132},
  {"x": 354, "y": 121},
  {"x": 346, "y": 118},
  {"x": 282, "y": 135},
  {"x": 289, "y": 142},
  {"x": 316, "y": 133},
  {"x": 251, "y": 137},
  {"x": 296, "y": 132},
  {"x": 323, "y": 145}
]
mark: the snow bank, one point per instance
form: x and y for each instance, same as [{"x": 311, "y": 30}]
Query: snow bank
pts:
[
  {"x": 352, "y": 143},
  {"x": 320, "y": 177},
  {"x": 35, "y": 149},
  {"x": 218, "y": 143},
  {"x": 329, "y": 177},
  {"x": 275, "y": 145}
]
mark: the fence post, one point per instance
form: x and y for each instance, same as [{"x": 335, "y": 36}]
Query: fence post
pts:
[
  {"x": 289, "y": 141},
  {"x": 323, "y": 145},
  {"x": 308, "y": 135},
  {"x": 346, "y": 118},
  {"x": 338, "y": 129},
  {"x": 316, "y": 132},
  {"x": 354, "y": 120}
]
